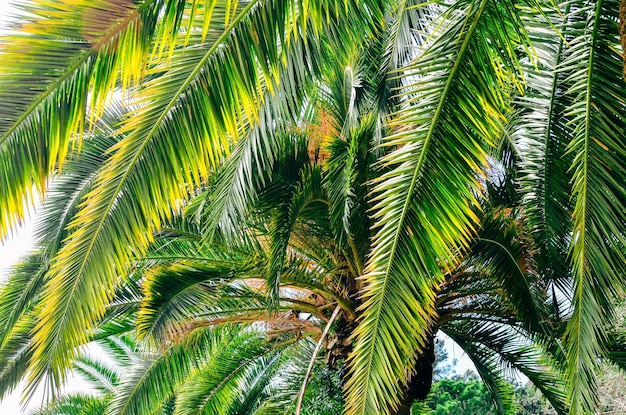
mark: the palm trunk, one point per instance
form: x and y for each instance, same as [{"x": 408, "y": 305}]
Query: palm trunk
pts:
[{"x": 421, "y": 381}]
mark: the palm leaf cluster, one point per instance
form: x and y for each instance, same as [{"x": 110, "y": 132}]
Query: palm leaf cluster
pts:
[{"x": 228, "y": 185}]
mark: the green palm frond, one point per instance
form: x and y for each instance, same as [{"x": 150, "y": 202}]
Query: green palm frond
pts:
[
  {"x": 492, "y": 345},
  {"x": 248, "y": 168},
  {"x": 346, "y": 180},
  {"x": 307, "y": 193},
  {"x": 100, "y": 377},
  {"x": 423, "y": 207},
  {"x": 616, "y": 347},
  {"x": 255, "y": 387},
  {"x": 74, "y": 404},
  {"x": 179, "y": 293},
  {"x": 213, "y": 389},
  {"x": 15, "y": 354},
  {"x": 155, "y": 378},
  {"x": 20, "y": 292},
  {"x": 596, "y": 116},
  {"x": 285, "y": 385},
  {"x": 120, "y": 348},
  {"x": 541, "y": 140},
  {"x": 505, "y": 255}
]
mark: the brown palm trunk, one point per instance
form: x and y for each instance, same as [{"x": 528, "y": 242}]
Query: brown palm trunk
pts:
[{"x": 421, "y": 381}]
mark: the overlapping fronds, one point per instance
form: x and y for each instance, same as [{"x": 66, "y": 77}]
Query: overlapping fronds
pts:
[
  {"x": 322, "y": 141},
  {"x": 256, "y": 387},
  {"x": 492, "y": 346},
  {"x": 154, "y": 379},
  {"x": 187, "y": 113},
  {"x": 596, "y": 120},
  {"x": 180, "y": 292},
  {"x": 295, "y": 184},
  {"x": 22, "y": 291},
  {"x": 504, "y": 254},
  {"x": 212, "y": 388},
  {"x": 346, "y": 180},
  {"x": 70, "y": 56},
  {"x": 234, "y": 189},
  {"x": 541, "y": 137},
  {"x": 455, "y": 100},
  {"x": 491, "y": 305},
  {"x": 65, "y": 195}
]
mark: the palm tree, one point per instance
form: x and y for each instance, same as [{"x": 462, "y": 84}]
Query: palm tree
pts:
[
  {"x": 184, "y": 287},
  {"x": 429, "y": 91}
]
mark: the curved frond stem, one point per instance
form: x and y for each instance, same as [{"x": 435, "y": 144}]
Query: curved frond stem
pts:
[{"x": 313, "y": 358}]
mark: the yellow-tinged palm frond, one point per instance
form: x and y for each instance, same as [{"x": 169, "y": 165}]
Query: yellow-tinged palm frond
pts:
[
  {"x": 186, "y": 114},
  {"x": 456, "y": 95},
  {"x": 64, "y": 57},
  {"x": 189, "y": 112}
]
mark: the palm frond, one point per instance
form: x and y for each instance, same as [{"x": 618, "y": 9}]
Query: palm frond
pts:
[
  {"x": 214, "y": 388},
  {"x": 178, "y": 293},
  {"x": 255, "y": 386},
  {"x": 20, "y": 292},
  {"x": 539, "y": 135},
  {"x": 15, "y": 354},
  {"x": 101, "y": 378},
  {"x": 491, "y": 346},
  {"x": 597, "y": 122},
  {"x": 504, "y": 254},
  {"x": 155, "y": 378},
  {"x": 424, "y": 201},
  {"x": 193, "y": 104},
  {"x": 74, "y": 404},
  {"x": 64, "y": 58}
]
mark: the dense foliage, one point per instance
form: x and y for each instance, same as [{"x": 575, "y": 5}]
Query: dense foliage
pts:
[{"x": 247, "y": 190}]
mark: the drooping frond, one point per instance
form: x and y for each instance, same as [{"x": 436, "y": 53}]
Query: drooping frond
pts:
[
  {"x": 596, "y": 114},
  {"x": 424, "y": 201},
  {"x": 22, "y": 290},
  {"x": 246, "y": 170},
  {"x": 180, "y": 292},
  {"x": 541, "y": 136},
  {"x": 504, "y": 254},
  {"x": 75, "y": 181},
  {"x": 492, "y": 346}
]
